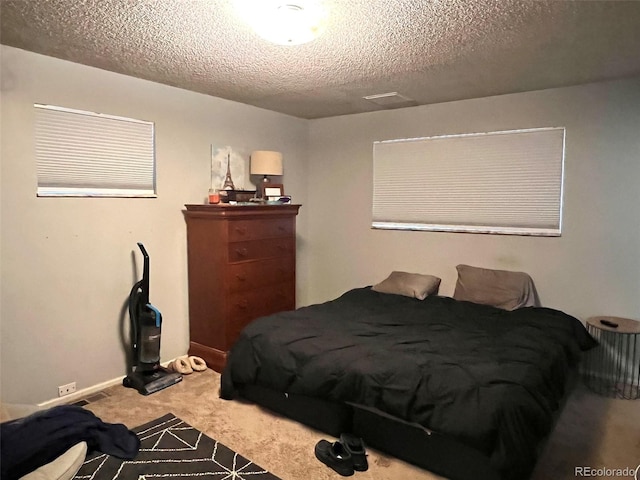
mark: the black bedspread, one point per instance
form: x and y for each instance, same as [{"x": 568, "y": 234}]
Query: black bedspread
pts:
[{"x": 489, "y": 377}]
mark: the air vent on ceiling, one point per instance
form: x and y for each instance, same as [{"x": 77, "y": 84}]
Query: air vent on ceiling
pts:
[{"x": 391, "y": 100}]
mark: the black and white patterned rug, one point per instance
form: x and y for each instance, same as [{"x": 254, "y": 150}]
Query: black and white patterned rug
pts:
[{"x": 171, "y": 448}]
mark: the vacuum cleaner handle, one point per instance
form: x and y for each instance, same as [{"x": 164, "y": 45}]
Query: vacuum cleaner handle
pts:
[
  {"x": 143, "y": 250},
  {"x": 145, "y": 275}
]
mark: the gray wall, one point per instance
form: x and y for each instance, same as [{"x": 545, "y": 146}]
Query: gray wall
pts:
[
  {"x": 68, "y": 263},
  {"x": 592, "y": 269}
]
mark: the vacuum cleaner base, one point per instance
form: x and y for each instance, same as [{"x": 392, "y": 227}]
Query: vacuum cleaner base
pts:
[{"x": 150, "y": 382}]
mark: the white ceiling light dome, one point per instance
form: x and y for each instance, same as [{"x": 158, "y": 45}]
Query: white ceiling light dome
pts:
[{"x": 284, "y": 22}]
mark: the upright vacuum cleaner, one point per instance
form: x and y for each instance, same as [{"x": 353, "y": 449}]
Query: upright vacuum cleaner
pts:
[{"x": 146, "y": 374}]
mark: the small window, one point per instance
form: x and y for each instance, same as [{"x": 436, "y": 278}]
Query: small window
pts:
[
  {"x": 89, "y": 154},
  {"x": 499, "y": 182}
]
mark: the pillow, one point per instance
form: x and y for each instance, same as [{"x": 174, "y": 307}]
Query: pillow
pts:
[
  {"x": 409, "y": 284},
  {"x": 499, "y": 288},
  {"x": 62, "y": 468}
]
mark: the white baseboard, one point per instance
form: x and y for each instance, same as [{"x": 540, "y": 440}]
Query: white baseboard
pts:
[
  {"x": 85, "y": 392},
  {"x": 79, "y": 394}
]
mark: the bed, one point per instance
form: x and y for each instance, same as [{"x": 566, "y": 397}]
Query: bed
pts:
[{"x": 464, "y": 389}]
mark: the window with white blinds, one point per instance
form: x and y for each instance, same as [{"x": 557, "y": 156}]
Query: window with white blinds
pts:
[
  {"x": 90, "y": 154},
  {"x": 506, "y": 182}
]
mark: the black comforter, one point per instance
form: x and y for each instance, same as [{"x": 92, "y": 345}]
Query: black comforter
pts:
[{"x": 488, "y": 377}]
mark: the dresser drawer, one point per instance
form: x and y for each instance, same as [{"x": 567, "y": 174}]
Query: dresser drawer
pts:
[
  {"x": 257, "y": 249},
  {"x": 244, "y": 276},
  {"x": 247, "y": 306},
  {"x": 264, "y": 301},
  {"x": 240, "y": 230}
]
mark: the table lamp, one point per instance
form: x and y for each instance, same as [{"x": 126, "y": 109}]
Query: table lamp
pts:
[{"x": 265, "y": 162}]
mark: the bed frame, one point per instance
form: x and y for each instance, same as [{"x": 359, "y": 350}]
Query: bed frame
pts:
[
  {"x": 445, "y": 456},
  {"x": 438, "y": 453}
]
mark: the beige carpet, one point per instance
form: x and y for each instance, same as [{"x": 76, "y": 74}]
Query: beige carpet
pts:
[{"x": 593, "y": 432}]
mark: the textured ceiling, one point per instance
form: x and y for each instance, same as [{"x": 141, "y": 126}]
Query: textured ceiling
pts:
[{"x": 430, "y": 51}]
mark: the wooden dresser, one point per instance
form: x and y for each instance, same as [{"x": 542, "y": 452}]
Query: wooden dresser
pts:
[{"x": 242, "y": 262}]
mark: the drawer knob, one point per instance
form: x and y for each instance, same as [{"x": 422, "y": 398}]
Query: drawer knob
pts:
[
  {"x": 241, "y": 230},
  {"x": 240, "y": 277},
  {"x": 242, "y": 252},
  {"x": 243, "y": 305}
]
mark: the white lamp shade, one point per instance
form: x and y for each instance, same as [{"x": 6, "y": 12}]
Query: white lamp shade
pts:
[{"x": 264, "y": 162}]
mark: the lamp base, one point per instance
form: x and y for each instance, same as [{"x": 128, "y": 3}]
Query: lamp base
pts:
[{"x": 260, "y": 190}]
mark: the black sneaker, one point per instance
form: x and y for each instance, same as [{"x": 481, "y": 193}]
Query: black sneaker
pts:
[
  {"x": 355, "y": 446},
  {"x": 334, "y": 456}
]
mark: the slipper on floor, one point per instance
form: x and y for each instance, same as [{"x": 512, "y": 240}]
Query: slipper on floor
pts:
[
  {"x": 181, "y": 365},
  {"x": 197, "y": 364},
  {"x": 355, "y": 446}
]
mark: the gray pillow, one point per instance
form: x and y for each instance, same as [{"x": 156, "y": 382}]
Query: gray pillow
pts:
[
  {"x": 409, "y": 284},
  {"x": 499, "y": 288}
]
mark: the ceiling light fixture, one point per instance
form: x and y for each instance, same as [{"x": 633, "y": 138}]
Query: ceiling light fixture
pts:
[{"x": 284, "y": 22}]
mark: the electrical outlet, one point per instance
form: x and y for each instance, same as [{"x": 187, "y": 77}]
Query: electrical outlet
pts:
[{"x": 67, "y": 389}]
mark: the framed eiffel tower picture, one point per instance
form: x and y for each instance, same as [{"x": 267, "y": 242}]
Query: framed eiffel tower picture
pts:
[{"x": 229, "y": 168}]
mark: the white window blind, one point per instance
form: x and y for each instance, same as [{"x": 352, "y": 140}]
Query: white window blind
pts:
[
  {"x": 499, "y": 182},
  {"x": 82, "y": 153}
]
